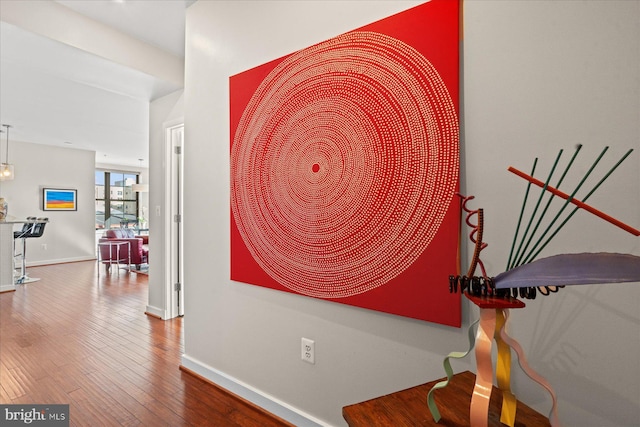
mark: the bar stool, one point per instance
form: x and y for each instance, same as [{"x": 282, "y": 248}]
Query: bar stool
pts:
[{"x": 33, "y": 228}]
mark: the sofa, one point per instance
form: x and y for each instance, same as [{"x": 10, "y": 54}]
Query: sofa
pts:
[{"x": 138, "y": 244}]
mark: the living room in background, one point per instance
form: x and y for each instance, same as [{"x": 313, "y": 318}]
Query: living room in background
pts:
[{"x": 117, "y": 204}]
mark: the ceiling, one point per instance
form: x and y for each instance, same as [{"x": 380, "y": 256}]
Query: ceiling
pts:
[{"x": 55, "y": 94}]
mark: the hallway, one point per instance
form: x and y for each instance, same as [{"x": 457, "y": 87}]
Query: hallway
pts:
[{"x": 77, "y": 339}]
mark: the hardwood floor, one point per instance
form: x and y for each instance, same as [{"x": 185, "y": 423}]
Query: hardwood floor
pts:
[{"x": 77, "y": 339}]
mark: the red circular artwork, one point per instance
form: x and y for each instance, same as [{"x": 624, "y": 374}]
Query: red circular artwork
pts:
[{"x": 344, "y": 164}]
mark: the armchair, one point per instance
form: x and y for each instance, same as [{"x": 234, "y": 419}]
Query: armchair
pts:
[{"x": 137, "y": 248}]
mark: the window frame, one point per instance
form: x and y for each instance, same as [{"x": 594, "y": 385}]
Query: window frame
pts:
[{"x": 108, "y": 199}]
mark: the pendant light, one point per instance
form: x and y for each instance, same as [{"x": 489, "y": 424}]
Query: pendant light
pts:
[
  {"x": 140, "y": 188},
  {"x": 6, "y": 168}
]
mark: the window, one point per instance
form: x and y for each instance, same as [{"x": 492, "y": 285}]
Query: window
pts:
[{"x": 116, "y": 202}]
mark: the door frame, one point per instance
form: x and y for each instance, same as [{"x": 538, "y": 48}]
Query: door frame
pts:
[{"x": 173, "y": 202}]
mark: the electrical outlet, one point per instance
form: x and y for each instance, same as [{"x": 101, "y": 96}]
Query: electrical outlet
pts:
[
  {"x": 308, "y": 351},
  {"x": 44, "y": 246}
]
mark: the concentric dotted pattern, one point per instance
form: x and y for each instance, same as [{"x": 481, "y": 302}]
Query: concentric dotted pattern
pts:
[{"x": 343, "y": 165}]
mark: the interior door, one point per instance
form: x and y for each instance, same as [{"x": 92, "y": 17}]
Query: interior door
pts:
[{"x": 175, "y": 136}]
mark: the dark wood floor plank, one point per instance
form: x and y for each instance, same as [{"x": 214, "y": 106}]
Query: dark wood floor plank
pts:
[
  {"x": 12, "y": 384},
  {"x": 4, "y": 396},
  {"x": 66, "y": 377},
  {"x": 89, "y": 412},
  {"x": 85, "y": 341}
]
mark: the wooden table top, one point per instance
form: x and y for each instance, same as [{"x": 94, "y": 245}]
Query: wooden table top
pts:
[{"x": 409, "y": 407}]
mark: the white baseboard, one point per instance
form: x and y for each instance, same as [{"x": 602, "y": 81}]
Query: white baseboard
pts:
[
  {"x": 7, "y": 288},
  {"x": 155, "y": 311},
  {"x": 58, "y": 261},
  {"x": 257, "y": 397}
]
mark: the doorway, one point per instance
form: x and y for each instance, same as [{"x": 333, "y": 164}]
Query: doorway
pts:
[{"x": 174, "y": 271}]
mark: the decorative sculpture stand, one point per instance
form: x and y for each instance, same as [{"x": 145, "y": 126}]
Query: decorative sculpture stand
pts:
[
  {"x": 494, "y": 313},
  {"x": 525, "y": 278}
]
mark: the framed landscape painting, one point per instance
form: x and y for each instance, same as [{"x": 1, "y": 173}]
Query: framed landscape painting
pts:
[{"x": 55, "y": 199}]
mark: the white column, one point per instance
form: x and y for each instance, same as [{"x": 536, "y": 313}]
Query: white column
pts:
[{"x": 6, "y": 257}]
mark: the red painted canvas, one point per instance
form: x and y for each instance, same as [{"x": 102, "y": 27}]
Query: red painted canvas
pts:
[{"x": 344, "y": 167}]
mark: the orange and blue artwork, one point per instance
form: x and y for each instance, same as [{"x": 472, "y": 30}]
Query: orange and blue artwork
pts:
[{"x": 59, "y": 200}]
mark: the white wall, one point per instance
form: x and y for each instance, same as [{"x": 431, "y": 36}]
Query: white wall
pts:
[
  {"x": 70, "y": 234},
  {"x": 57, "y": 22},
  {"x": 163, "y": 110},
  {"x": 538, "y": 76}
]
